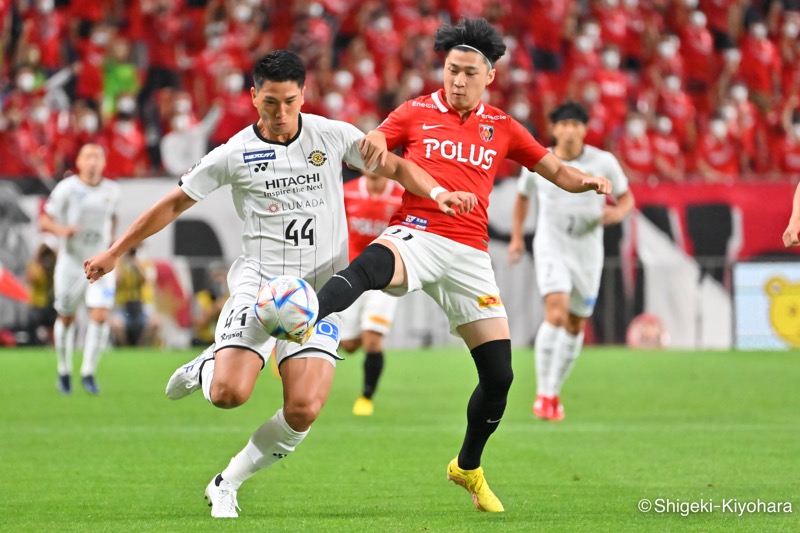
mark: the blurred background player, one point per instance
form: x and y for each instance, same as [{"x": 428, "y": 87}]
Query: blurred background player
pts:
[
  {"x": 82, "y": 211},
  {"x": 39, "y": 275},
  {"x": 567, "y": 250},
  {"x": 453, "y": 135},
  {"x": 134, "y": 321},
  {"x": 791, "y": 237},
  {"x": 369, "y": 201}
]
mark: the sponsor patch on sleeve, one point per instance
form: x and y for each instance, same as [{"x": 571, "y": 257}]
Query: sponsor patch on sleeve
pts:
[
  {"x": 261, "y": 155},
  {"x": 489, "y": 301}
]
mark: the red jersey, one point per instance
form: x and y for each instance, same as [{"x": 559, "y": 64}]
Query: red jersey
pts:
[
  {"x": 461, "y": 155},
  {"x": 368, "y": 216}
]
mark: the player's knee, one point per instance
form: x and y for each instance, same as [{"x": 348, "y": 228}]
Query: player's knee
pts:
[
  {"x": 493, "y": 361},
  {"x": 227, "y": 396},
  {"x": 350, "y": 345},
  {"x": 301, "y": 413}
]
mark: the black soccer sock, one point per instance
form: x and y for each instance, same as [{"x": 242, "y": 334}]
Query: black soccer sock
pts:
[
  {"x": 373, "y": 366},
  {"x": 372, "y": 269},
  {"x": 488, "y": 401}
]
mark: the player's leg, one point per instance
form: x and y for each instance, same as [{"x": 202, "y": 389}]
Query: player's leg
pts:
[
  {"x": 69, "y": 285},
  {"x": 569, "y": 350},
  {"x": 376, "y": 321},
  {"x": 64, "y": 340},
  {"x": 307, "y": 374},
  {"x": 100, "y": 301},
  {"x": 548, "y": 339}
]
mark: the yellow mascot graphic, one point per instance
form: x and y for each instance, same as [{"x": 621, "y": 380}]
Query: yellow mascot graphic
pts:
[{"x": 784, "y": 309}]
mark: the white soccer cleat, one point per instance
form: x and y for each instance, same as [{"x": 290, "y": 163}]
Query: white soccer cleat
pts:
[
  {"x": 221, "y": 498},
  {"x": 186, "y": 379}
]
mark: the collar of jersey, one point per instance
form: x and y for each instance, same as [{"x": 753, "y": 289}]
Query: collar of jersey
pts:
[
  {"x": 441, "y": 103},
  {"x": 287, "y": 143}
]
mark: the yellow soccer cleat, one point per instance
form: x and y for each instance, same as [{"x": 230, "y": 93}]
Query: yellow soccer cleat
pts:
[
  {"x": 475, "y": 483},
  {"x": 363, "y": 407}
]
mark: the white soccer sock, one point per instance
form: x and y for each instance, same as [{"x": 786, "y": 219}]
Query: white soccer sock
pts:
[
  {"x": 273, "y": 441},
  {"x": 95, "y": 343},
  {"x": 64, "y": 337},
  {"x": 206, "y": 377},
  {"x": 544, "y": 353},
  {"x": 569, "y": 349}
]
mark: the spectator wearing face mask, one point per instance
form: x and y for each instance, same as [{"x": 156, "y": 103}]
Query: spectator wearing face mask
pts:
[
  {"x": 598, "y": 127},
  {"x": 120, "y": 75},
  {"x": 667, "y": 154},
  {"x": 582, "y": 63},
  {"x": 45, "y": 27},
  {"x": 236, "y": 105},
  {"x": 89, "y": 67},
  {"x": 724, "y": 21},
  {"x": 789, "y": 45},
  {"x": 552, "y": 20},
  {"x": 789, "y": 152},
  {"x": 675, "y": 104},
  {"x": 123, "y": 139},
  {"x": 761, "y": 66},
  {"x": 614, "y": 87},
  {"x": 634, "y": 150},
  {"x": 717, "y": 155},
  {"x": 697, "y": 51},
  {"x": 665, "y": 62}
]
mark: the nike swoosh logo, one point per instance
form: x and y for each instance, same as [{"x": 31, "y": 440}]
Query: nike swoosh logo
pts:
[
  {"x": 490, "y": 421},
  {"x": 426, "y": 127}
]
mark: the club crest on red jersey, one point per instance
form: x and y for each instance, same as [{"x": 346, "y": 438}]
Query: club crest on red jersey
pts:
[{"x": 486, "y": 132}]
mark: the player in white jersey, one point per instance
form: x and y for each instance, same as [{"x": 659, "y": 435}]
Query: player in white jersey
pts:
[
  {"x": 81, "y": 210},
  {"x": 567, "y": 250},
  {"x": 285, "y": 172}
]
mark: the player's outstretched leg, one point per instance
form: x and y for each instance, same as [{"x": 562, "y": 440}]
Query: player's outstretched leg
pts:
[{"x": 186, "y": 379}]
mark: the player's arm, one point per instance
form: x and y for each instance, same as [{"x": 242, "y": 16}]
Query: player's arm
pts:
[
  {"x": 148, "y": 223},
  {"x": 49, "y": 224},
  {"x": 516, "y": 247},
  {"x": 791, "y": 237},
  {"x": 418, "y": 182},
  {"x": 570, "y": 178},
  {"x": 613, "y": 214}
]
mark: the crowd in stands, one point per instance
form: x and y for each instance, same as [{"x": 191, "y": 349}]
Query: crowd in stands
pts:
[{"x": 678, "y": 89}]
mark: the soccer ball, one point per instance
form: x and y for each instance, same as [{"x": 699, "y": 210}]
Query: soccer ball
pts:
[{"x": 287, "y": 307}]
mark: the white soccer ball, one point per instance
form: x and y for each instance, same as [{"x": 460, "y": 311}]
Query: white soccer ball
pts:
[{"x": 287, "y": 307}]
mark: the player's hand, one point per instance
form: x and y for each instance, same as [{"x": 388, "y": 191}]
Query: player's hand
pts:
[
  {"x": 373, "y": 149},
  {"x": 791, "y": 237},
  {"x": 612, "y": 215},
  {"x": 69, "y": 231},
  {"x": 516, "y": 250},
  {"x": 98, "y": 266},
  {"x": 597, "y": 184},
  {"x": 454, "y": 202}
]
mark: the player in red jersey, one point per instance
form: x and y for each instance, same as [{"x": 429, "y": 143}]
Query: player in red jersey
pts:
[
  {"x": 369, "y": 201},
  {"x": 462, "y": 142}
]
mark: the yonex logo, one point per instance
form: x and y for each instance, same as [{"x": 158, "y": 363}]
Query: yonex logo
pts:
[
  {"x": 261, "y": 167},
  {"x": 279, "y": 455}
]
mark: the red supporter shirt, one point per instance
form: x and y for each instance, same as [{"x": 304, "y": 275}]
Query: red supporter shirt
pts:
[
  {"x": 460, "y": 155},
  {"x": 697, "y": 49},
  {"x": 721, "y": 156},
  {"x": 790, "y": 157},
  {"x": 760, "y": 60},
  {"x": 368, "y": 216}
]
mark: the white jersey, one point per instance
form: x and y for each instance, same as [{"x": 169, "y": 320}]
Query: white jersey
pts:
[
  {"x": 567, "y": 214},
  {"x": 288, "y": 194},
  {"x": 90, "y": 208}
]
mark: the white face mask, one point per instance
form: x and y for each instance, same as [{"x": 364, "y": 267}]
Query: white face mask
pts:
[
  {"x": 728, "y": 112},
  {"x": 316, "y": 10},
  {"x": 664, "y": 125},
  {"x": 383, "y": 24},
  {"x": 100, "y": 38},
  {"x": 610, "y": 59},
  {"x": 365, "y": 67},
  {"x": 45, "y": 6},
  {"x": 520, "y": 111},
  {"x": 672, "y": 83},
  {"x": 592, "y": 30},
  {"x": 333, "y": 102},
  {"x": 215, "y": 43},
  {"x": 732, "y": 56},
  {"x": 519, "y": 76},
  {"x": 759, "y": 31},
  {"x": 40, "y": 114},
  {"x": 414, "y": 84},
  {"x": 635, "y": 128},
  {"x": 796, "y": 130},
  {"x": 584, "y": 44},
  {"x": 242, "y": 12},
  {"x": 790, "y": 30},
  {"x": 89, "y": 123},
  {"x": 26, "y": 81},
  {"x": 718, "y": 129},
  {"x": 691, "y": 4},
  {"x": 183, "y": 105},
  {"x": 180, "y": 122},
  {"x": 697, "y": 19},
  {"x": 666, "y": 49},
  {"x": 234, "y": 83},
  {"x": 343, "y": 80},
  {"x": 739, "y": 93},
  {"x": 612, "y": 3},
  {"x": 590, "y": 94},
  {"x": 632, "y": 4},
  {"x": 126, "y": 104}
]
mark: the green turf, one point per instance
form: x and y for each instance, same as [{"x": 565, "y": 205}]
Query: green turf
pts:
[{"x": 687, "y": 427}]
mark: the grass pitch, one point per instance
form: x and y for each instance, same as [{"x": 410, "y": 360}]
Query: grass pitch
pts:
[{"x": 687, "y": 427}]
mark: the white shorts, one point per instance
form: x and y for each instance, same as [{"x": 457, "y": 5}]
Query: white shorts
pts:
[
  {"x": 458, "y": 277},
  {"x": 373, "y": 311},
  {"x": 238, "y": 327},
  {"x": 71, "y": 287},
  {"x": 570, "y": 265}
]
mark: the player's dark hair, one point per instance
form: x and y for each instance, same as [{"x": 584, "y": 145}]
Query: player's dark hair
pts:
[
  {"x": 279, "y": 65},
  {"x": 471, "y": 33},
  {"x": 569, "y": 111}
]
